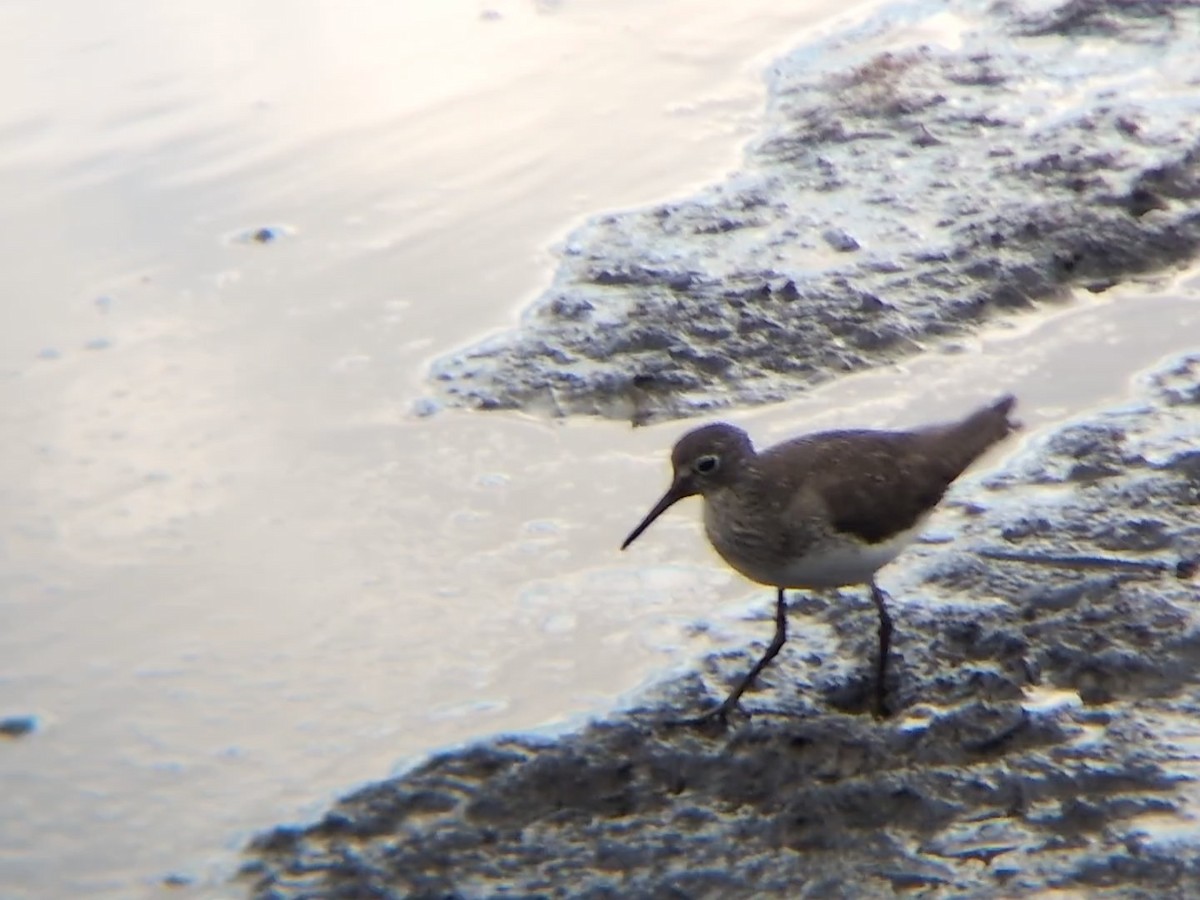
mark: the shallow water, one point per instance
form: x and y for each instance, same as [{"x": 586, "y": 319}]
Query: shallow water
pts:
[
  {"x": 238, "y": 578},
  {"x": 239, "y": 575}
]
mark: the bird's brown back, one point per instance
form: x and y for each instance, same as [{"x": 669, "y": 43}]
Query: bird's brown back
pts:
[{"x": 875, "y": 484}]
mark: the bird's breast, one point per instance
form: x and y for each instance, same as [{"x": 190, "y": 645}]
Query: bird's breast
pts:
[
  {"x": 769, "y": 548},
  {"x": 750, "y": 539}
]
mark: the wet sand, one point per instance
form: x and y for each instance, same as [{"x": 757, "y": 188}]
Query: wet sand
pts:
[
  {"x": 1043, "y": 738},
  {"x": 237, "y": 575},
  {"x": 243, "y": 577},
  {"x": 1044, "y": 688}
]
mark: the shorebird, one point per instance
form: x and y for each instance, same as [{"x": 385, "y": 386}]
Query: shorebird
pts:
[{"x": 821, "y": 511}]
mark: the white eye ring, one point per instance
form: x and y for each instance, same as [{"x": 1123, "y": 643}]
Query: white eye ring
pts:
[{"x": 707, "y": 464}]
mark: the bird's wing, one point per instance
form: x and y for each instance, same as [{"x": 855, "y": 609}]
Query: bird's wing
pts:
[
  {"x": 873, "y": 484},
  {"x": 869, "y": 484}
]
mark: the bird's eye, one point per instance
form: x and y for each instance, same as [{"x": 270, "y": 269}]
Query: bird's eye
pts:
[{"x": 706, "y": 465}]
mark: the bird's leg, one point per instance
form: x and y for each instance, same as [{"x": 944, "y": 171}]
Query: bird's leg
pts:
[
  {"x": 885, "y": 643},
  {"x": 721, "y": 713}
]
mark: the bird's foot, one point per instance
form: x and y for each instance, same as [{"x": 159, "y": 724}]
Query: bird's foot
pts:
[
  {"x": 718, "y": 716},
  {"x": 860, "y": 697},
  {"x": 879, "y": 705}
]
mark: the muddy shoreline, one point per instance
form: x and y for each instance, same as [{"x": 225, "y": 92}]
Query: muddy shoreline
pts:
[
  {"x": 902, "y": 194},
  {"x": 1045, "y": 730},
  {"x": 1045, "y": 677}
]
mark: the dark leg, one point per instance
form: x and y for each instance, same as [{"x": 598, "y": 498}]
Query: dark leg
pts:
[
  {"x": 721, "y": 712},
  {"x": 885, "y": 644}
]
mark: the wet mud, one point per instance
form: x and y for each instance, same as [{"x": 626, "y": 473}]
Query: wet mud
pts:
[
  {"x": 1044, "y": 685},
  {"x": 1045, "y": 727},
  {"x": 901, "y": 193}
]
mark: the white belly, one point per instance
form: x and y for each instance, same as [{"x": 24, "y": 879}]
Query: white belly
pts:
[
  {"x": 838, "y": 565},
  {"x": 828, "y": 565}
]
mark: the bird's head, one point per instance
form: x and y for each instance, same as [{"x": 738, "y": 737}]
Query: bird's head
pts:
[{"x": 703, "y": 460}]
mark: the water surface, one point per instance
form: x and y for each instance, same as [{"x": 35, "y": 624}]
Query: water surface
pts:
[{"x": 239, "y": 576}]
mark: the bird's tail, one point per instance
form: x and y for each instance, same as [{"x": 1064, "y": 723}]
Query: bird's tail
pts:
[{"x": 965, "y": 441}]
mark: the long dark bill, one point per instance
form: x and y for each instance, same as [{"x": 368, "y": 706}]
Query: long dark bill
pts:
[{"x": 673, "y": 495}]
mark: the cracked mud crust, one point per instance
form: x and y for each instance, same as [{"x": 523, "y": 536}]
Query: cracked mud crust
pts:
[
  {"x": 1046, "y": 727},
  {"x": 895, "y": 198}
]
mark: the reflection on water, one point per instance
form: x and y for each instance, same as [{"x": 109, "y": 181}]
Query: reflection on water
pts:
[{"x": 238, "y": 576}]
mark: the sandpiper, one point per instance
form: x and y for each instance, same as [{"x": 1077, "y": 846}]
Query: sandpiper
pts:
[{"x": 821, "y": 511}]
